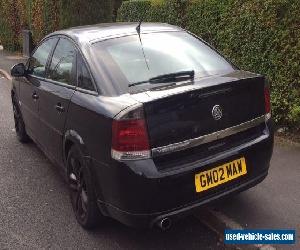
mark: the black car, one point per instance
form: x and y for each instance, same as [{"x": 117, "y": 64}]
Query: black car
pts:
[{"x": 147, "y": 120}]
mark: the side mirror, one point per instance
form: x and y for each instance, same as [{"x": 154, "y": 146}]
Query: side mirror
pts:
[{"x": 18, "y": 70}]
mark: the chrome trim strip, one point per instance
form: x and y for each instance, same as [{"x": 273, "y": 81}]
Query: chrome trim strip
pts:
[{"x": 210, "y": 137}]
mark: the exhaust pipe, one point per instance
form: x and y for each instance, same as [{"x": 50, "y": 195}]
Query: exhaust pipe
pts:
[{"x": 164, "y": 224}]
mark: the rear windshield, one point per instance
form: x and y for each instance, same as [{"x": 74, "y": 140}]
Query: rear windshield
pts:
[{"x": 137, "y": 60}]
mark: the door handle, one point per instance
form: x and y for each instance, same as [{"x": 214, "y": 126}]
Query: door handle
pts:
[
  {"x": 59, "y": 107},
  {"x": 35, "y": 96}
]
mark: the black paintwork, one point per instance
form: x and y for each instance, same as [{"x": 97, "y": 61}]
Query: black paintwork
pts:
[
  {"x": 140, "y": 192},
  {"x": 189, "y": 113}
]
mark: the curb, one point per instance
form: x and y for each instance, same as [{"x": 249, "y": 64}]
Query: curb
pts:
[
  {"x": 218, "y": 222},
  {"x": 5, "y": 74},
  {"x": 281, "y": 140}
]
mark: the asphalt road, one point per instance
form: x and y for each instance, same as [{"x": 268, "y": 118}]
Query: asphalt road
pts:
[
  {"x": 274, "y": 203},
  {"x": 35, "y": 211}
]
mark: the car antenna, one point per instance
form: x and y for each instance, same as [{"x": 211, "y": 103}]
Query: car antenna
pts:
[{"x": 138, "y": 30}]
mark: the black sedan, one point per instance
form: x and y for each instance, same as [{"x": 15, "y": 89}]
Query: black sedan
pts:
[{"x": 147, "y": 121}]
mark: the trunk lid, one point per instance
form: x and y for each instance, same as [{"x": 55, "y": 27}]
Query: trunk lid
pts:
[{"x": 183, "y": 112}]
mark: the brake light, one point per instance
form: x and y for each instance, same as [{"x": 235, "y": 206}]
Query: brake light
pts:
[
  {"x": 130, "y": 136},
  {"x": 267, "y": 101}
]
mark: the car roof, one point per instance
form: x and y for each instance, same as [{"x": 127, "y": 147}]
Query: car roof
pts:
[{"x": 94, "y": 33}]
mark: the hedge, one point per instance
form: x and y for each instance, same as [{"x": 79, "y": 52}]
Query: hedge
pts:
[
  {"x": 259, "y": 36},
  {"x": 45, "y": 16}
]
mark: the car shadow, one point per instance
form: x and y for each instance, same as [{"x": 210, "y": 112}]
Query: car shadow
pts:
[{"x": 188, "y": 233}]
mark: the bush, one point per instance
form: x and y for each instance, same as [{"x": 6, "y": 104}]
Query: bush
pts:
[
  {"x": 45, "y": 16},
  {"x": 134, "y": 11},
  {"x": 10, "y": 21},
  {"x": 153, "y": 11},
  {"x": 259, "y": 36}
]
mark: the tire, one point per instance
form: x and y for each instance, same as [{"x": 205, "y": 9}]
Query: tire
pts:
[
  {"x": 19, "y": 123},
  {"x": 82, "y": 195}
]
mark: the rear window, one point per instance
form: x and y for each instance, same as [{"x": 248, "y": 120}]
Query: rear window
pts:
[{"x": 136, "y": 60}]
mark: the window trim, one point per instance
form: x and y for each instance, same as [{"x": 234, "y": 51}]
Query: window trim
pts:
[
  {"x": 49, "y": 64},
  {"x": 77, "y": 76},
  {"x": 49, "y": 56},
  {"x": 50, "y": 59},
  {"x": 59, "y": 83},
  {"x": 96, "y": 92},
  {"x": 86, "y": 91}
]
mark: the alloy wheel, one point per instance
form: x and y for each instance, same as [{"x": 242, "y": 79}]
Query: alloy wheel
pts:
[{"x": 79, "y": 195}]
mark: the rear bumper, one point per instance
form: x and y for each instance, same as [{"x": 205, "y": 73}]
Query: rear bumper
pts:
[
  {"x": 150, "y": 220},
  {"x": 137, "y": 194}
]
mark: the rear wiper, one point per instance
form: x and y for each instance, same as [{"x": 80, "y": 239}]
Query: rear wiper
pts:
[
  {"x": 181, "y": 75},
  {"x": 177, "y": 76}
]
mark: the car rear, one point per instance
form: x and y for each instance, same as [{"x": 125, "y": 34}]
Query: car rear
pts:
[
  {"x": 157, "y": 177},
  {"x": 184, "y": 143}
]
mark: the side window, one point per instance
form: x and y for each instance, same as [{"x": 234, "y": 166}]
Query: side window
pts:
[
  {"x": 37, "y": 62},
  {"x": 63, "y": 63},
  {"x": 84, "y": 77}
]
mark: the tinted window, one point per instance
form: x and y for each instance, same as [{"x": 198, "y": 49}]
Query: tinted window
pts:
[
  {"x": 162, "y": 53},
  {"x": 63, "y": 63},
  {"x": 38, "y": 61},
  {"x": 84, "y": 77}
]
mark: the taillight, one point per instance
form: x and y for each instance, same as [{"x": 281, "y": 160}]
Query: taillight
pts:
[
  {"x": 267, "y": 101},
  {"x": 130, "y": 136}
]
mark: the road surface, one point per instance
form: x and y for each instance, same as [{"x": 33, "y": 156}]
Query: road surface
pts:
[{"x": 35, "y": 211}]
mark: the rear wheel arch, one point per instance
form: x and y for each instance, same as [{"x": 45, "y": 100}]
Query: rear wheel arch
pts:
[
  {"x": 81, "y": 174},
  {"x": 71, "y": 138}
]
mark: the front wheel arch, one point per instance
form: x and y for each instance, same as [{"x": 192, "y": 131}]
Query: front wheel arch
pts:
[{"x": 18, "y": 120}]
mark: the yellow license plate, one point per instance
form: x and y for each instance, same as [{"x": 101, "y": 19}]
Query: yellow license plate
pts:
[{"x": 219, "y": 175}]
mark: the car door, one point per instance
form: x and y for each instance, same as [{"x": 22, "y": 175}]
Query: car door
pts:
[
  {"x": 29, "y": 87},
  {"x": 55, "y": 94}
]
